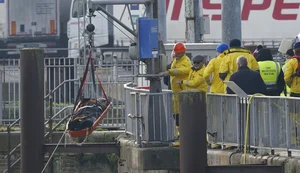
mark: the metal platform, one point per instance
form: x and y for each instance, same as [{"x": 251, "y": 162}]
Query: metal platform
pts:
[{"x": 107, "y": 147}]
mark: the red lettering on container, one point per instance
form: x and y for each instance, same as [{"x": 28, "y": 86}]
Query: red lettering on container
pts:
[
  {"x": 176, "y": 9},
  {"x": 249, "y": 6},
  {"x": 280, "y": 5},
  {"x": 167, "y": 5},
  {"x": 208, "y": 5}
]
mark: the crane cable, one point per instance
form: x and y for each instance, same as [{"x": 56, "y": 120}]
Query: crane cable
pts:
[{"x": 52, "y": 154}]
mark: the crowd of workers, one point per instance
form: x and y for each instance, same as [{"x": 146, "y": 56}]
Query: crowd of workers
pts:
[{"x": 254, "y": 73}]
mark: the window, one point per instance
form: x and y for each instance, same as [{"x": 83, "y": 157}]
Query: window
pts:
[{"x": 79, "y": 8}]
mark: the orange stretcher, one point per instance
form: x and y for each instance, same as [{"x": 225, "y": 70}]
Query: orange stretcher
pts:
[{"x": 79, "y": 104}]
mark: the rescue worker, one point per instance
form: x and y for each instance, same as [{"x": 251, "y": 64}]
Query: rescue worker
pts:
[
  {"x": 179, "y": 70},
  {"x": 196, "y": 80},
  {"x": 292, "y": 72},
  {"x": 270, "y": 72},
  {"x": 228, "y": 65},
  {"x": 248, "y": 80},
  {"x": 212, "y": 69},
  {"x": 288, "y": 55}
]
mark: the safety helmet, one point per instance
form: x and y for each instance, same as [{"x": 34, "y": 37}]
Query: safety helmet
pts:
[
  {"x": 198, "y": 58},
  {"x": 222, "y": 47},
  {"x": 179, "y": 48}
]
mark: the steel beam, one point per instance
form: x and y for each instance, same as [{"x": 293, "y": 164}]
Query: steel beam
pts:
[
  {"x": 121, "y": 2},
  {"x": 32, "y": 110},
  {"x": 99, "y": 8},
  {"x": 111, "y": 147}
]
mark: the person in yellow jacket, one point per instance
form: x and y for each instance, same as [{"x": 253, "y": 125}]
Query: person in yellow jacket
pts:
[
  {"x": 228, "y": 65},
  {"x": 212, "y": 69},
  {"x": 292, "y": 72},
  {"x": 288, "y": 55},
  {"x": 196, "y": 80},
  {"x": 179, "y": 70}
]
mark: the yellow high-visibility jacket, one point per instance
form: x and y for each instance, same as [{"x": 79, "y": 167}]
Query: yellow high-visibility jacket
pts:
[
  {"x": 228, "y": 65},
  {"x": 196, "y": 80},
  {"x": 216, "y": 84},
  {"x": 289, "y": 76},
  {"x": 179, "y": 71}
]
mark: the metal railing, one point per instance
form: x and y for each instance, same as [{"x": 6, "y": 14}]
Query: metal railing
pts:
[
  {"x": 140, "y": 120},
  {"x": 62, "y": 75},
  {"x": 47, "y": 135},
  {"x": 273, "y": 122},
  {"x": 256, "y": 123}
]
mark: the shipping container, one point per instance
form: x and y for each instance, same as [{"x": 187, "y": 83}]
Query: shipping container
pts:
[{"x": 36, "y": 18}]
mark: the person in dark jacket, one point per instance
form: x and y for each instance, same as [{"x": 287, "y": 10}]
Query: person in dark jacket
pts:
[
  {"x": 167, "y": 78},
  {"x": 271, "y": 72},
  {"x": 248, "y": 80}
]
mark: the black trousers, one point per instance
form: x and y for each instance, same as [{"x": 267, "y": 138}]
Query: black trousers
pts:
[{"x": 295, "y": 95}]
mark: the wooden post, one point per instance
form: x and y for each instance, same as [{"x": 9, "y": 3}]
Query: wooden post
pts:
[
  {"x": 32, "y": 110},
  {"x": 193, "y": 145}
]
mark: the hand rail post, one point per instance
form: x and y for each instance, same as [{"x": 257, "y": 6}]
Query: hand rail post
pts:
[{"x": 8, "y": 149}]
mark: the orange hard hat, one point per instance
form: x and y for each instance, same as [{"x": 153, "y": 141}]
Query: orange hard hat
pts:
[{"x": 179, "y": 48}]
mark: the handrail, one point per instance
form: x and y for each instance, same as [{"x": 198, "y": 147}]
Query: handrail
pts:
[
  {"x": 58, "y": 124},
  {"x": 54, "y": 116},
  {"x": 58, "y": 86},
  {"x": 10, "y": 152},
  {"x": 12, "y": 165},
  {"x": 14, "y": 149},
  {"x": 14, "y": 123},
  {"x": 9, "y": 166},
  {"x": 126, "y": 86}
]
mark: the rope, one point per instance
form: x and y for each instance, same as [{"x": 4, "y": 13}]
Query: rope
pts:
[
  {"x": 52, "y": 154},
  {"x": 247, "y": 124},
  {"x": 80, "y": 91},
  {"x": 100, "y": 84}
]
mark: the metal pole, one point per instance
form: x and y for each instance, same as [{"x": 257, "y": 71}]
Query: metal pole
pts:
[
  {"x": 231, "y": 20},
  {"x": 32, "y": 110},
  {"x": 111, "y": 39},
  {"x": 197, "y": 14},
  {"x": 1, "y": 113},
  {"x": 8, "y": 149},
  {"x": 190, "y": 21},
  {"x": 155, "y": 86},
  {"x": 193, "y": 150},
  {"x": 51, "y": 128},
  {"x": 162, "y": 23}
]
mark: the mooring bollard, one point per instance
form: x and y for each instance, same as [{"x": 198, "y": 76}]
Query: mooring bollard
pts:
[
  {"x": 32, "y": 110},
  {"x": 192, "y": 124}
]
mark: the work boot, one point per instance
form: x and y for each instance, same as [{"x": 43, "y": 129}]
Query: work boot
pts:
[
  {"x": 176, "y": 143},
  {"x": 178, "y": 133}
]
